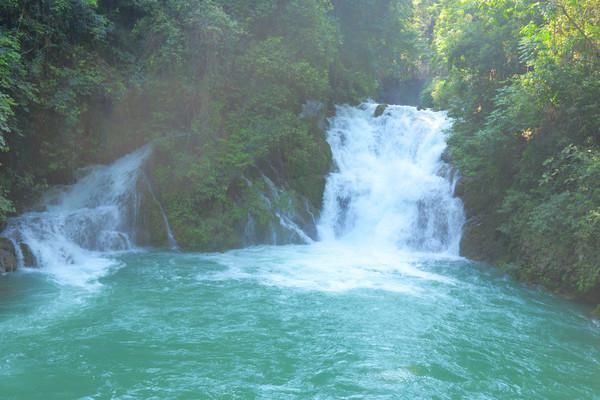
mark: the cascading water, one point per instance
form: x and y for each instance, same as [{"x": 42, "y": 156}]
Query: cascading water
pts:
[
  {"x": 390, "y": 186},
  {"x": 291, "y": 219},
  {"x": 96, "y": 214},
  {"x": 286, "y": 216},
  {"x": 170, "y": 236}
]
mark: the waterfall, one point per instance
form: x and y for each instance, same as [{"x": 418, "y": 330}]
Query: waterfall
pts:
[
  {"x": 77, "y": 223},
  {"x": 285, "y": 215},
  {"x": 389, "y": 185},
  {"x": 290, "y": 218},
  {"x": 170, "y": 236}
]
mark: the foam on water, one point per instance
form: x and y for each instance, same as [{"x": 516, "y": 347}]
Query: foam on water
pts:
[{"x": 325, "y": 266}]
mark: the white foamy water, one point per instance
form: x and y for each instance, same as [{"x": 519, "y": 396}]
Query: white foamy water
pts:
[
  {"x": 326, "y": 267},
  {"x": 80, "y": 223},
  {"x": 390, "y": 186}
]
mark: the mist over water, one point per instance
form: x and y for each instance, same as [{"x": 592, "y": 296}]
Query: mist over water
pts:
[{"x": 381, "y": 307}]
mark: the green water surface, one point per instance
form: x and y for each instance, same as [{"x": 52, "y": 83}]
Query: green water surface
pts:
[{"x": 292, "y": 322}]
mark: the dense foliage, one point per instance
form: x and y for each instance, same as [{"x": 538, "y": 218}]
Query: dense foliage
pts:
[
  {"x": 223, "y": 83},
  {"x": 521, "y": 78}
]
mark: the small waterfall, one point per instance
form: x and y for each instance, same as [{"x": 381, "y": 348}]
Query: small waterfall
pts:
[
  {"x": 286, "y": 218},
  {"x": 285, "y": 213},
  {"x": 169, "y": 232},
  {"x": 78, "y": 223},
  {"x": 390, "y": 186}
]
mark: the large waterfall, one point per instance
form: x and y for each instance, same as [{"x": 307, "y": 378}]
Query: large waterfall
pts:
[
  {"x": 390, "y": 185},
  {"x": 76, "y": 223}
]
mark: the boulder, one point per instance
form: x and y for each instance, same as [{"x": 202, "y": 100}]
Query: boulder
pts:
[
  {"x": 379, "y": 110},
  {"x": 8, "y": 257}
]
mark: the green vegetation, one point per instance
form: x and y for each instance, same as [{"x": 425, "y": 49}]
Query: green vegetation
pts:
[{"x": 521, "y": 78}]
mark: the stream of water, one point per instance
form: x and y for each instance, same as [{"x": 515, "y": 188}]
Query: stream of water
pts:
[{"x": 380, "y": 307}]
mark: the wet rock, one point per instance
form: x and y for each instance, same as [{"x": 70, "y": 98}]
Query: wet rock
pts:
[
  {"x": 8, "y": 257},
  {"x": 446, "y": 156},
  {"x": 28, "y": 257},
  {"x": 379, "y": 110}
]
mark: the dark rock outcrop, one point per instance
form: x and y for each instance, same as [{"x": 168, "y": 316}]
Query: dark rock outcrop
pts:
[
  {"x": 379, "y": 110},
  {"x": 8, "y": 256},
  {"x": 28, "y": 257}
]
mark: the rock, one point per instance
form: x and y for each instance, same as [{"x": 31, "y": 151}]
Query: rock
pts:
[
  {"x": 446, "y": 156},
  {"x": 28, "y": 257},
  {"x": 8, "y": 257},
  {"x": 312, "y": 109},
  {"x": 379, "y": 110},
  {"x": 480, "y": 240},
  {"x": 8, "y": 261}
]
